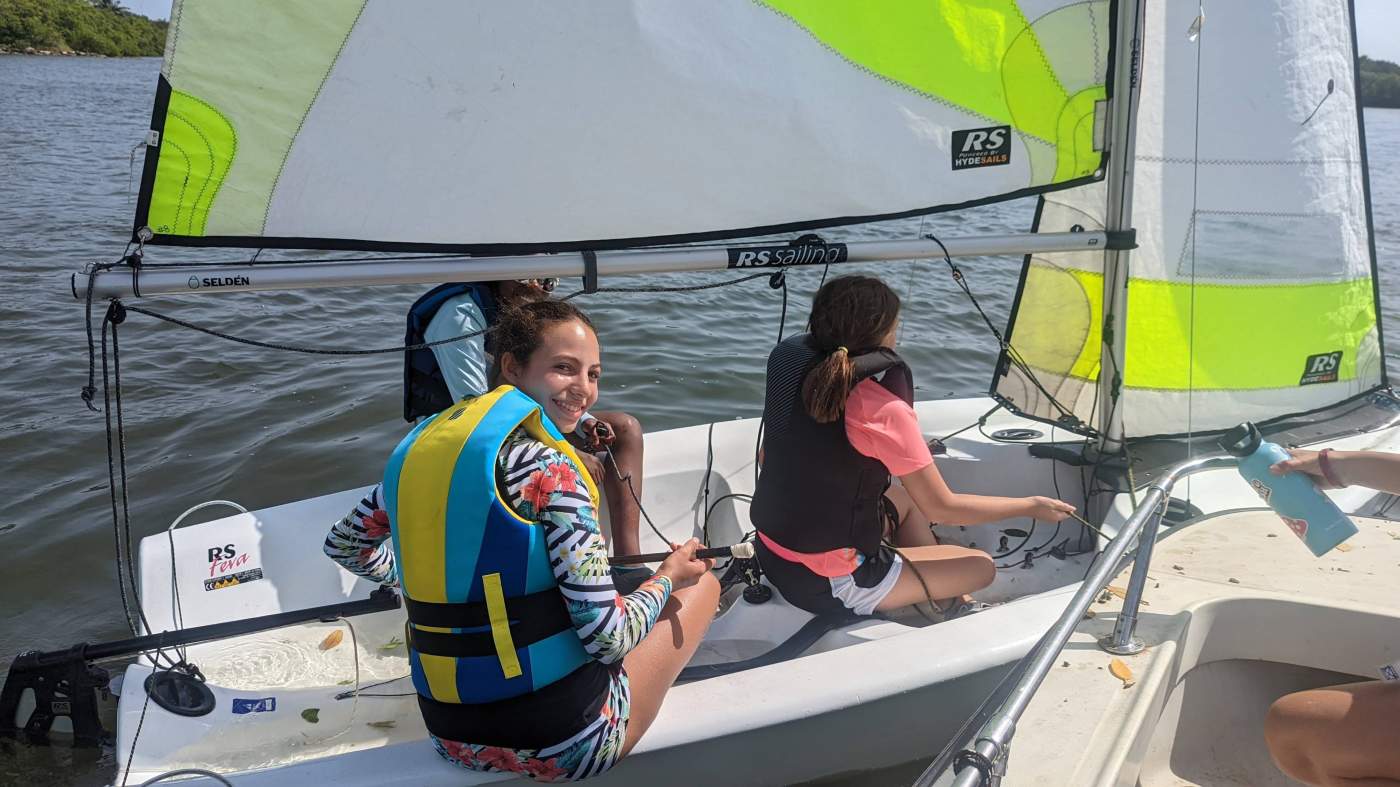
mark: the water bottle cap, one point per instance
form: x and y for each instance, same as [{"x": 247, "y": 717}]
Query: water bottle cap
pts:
[{"x": 1242, "y": 441}]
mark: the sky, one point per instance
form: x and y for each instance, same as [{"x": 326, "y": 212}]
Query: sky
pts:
[{"x": 1377, "y": 23}]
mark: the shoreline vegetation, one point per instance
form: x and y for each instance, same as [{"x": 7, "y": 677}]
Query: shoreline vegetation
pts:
[
  {"x": 1380, "y": 83},
  {"x": 105, "y": 28},
  {"x": 78, "y": 27}
]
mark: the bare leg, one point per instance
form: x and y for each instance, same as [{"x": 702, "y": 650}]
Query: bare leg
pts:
[
  {"x": 913, "y": 529},
  {"x": 957, "y": 568},
  {"x": 948, "y": 571},
  {"x": 655, "y": 663},
  {"x": 627, "y": 452},
  {"x": 1339, "y": 735}
]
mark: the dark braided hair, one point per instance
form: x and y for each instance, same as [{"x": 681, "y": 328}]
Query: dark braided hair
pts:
[
  {"x": 850, "y": 315},
  {"x": 520, "y": 327}
]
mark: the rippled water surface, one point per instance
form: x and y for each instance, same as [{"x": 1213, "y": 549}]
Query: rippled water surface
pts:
[{"x": 207, "y": 418}]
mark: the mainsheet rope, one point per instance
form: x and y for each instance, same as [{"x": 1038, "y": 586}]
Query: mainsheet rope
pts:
[{"x": 1067, "y": 417}]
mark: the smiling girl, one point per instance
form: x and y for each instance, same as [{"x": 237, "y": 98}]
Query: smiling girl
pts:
[{"x": 525, "y": 657}]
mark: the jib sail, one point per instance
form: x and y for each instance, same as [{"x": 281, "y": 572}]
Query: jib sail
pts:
[
  {"x": 1252, "y": 293},
  {"x": 526, "y": 126}
]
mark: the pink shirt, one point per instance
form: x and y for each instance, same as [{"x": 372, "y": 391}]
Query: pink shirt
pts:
[{"x": 882, "y": 426}]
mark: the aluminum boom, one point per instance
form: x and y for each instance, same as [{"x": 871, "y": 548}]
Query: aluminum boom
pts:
[{"x": 193, "y": 279}]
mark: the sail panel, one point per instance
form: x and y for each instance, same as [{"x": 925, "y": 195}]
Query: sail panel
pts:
[
  {"x": 534, "y": 125},
  {"x": 1251, "y": 294}
]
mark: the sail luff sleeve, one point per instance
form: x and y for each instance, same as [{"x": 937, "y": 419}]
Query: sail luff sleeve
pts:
[{"x": 531, "y": 126}]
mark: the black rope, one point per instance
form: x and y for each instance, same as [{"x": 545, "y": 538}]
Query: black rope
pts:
[
  {"x": 627, "y": 479},
  {"x": 424, "y": 345},
  {"x": 112, "y": 476},
  {"x": 293, "y": 348},
  {"x": 345, "y": 695},
  {"x": 180, "y": 666},
  {"x": 118, "y": 489},
  {"x": 1066, "y": 416},
  {"x": 90, "y": 390},
  {"x": 705, "y": 481}
]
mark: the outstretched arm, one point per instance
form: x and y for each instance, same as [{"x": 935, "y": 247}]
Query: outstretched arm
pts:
[
  {"x": 885, "y": 428},
  {"x": 1374, "y": 469},
  {"x": 941, "y": 504}
]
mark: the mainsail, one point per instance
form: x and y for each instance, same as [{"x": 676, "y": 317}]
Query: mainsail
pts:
[
  {"x": 1252, "y": 292},
  {"x": 525, "y": 126}
]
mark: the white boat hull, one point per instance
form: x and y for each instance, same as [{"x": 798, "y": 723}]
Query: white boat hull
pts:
[{"x": 869, "y": 695}]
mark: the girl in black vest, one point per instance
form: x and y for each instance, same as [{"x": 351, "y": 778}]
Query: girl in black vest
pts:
[{"x": 839, "y": 424}]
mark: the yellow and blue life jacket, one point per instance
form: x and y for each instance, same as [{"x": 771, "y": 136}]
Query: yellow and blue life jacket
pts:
[{"x": 486, "y": 620}]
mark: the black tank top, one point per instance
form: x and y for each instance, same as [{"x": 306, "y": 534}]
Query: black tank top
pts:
[{"x": 815, "y": 492}]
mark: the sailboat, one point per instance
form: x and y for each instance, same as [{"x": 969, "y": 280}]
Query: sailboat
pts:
[{"x": 477, "y": 142}]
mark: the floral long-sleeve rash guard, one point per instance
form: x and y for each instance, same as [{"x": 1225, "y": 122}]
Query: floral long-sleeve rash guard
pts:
[{"x": 541, "y": 485}]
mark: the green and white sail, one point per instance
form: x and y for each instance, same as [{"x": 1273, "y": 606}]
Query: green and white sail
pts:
[
  {"x": 525, "y": 125},
  {"x": 1252, "y": 292}
]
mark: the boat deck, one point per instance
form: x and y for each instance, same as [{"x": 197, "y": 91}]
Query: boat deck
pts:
[{"x": 1237, "y": 613}]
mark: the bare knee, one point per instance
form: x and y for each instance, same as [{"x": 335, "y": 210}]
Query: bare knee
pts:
[
  {"x": 983, "y": 571},
  {"x": 1287, "y": 733},
  {"x": 703, "y": 595},
  {"x": 627, "y": 428}
]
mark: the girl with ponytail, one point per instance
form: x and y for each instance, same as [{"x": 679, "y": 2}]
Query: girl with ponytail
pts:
[{"x": 840, "y": 425}]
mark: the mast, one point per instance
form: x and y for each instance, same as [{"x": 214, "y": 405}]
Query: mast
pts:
[{"x": 1122, "y": 142}]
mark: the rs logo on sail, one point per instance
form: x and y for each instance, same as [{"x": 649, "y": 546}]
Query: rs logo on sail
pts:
[{"x": 981, "y": 147}]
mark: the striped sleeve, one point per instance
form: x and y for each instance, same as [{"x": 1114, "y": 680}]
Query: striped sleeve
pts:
[
  {"x": 543, "y": 485},
  {"x": 360, "y": 543}
]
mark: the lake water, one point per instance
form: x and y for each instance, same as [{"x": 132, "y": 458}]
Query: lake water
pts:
[{"x": 209, "y": 419}]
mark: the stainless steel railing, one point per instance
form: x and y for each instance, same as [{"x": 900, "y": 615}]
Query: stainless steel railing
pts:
[{"x": 984, "y": 760}]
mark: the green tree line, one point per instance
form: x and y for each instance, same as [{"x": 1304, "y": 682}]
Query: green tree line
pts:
[
  {"x": 1380, "y": 83},
  {"x": 99, "y": 27}
]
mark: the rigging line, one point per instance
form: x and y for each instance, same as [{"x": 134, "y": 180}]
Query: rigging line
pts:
[
  {"x": 627, "y": 479},
  {"x": 1191, "y": 308},
  {"x": 293, "y": 348},
  {"x": 112, "y": 484},
  {"x": 406, "y": 348},
  {"x": 705, "y": 481},
  {"x": 90, "y": 390},
  {"x": 141, "y": 722},
  {"x": 781, "y": 281},
  {"x": 121, "y": 525},
  {"x": 1010, "y": 352}
]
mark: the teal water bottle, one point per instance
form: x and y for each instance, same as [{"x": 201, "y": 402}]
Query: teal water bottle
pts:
[{"x": 1293, "y": 496}]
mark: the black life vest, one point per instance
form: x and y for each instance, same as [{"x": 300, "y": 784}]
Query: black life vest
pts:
[
  {"x": 815, "y": 492},
  {"x": 425, "y": 390}
]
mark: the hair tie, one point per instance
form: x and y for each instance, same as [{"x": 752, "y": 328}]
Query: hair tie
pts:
[{"x": 841, "y": 349}]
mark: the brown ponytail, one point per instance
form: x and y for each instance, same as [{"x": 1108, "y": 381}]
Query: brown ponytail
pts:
[{"x": 850, "y": 315}]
